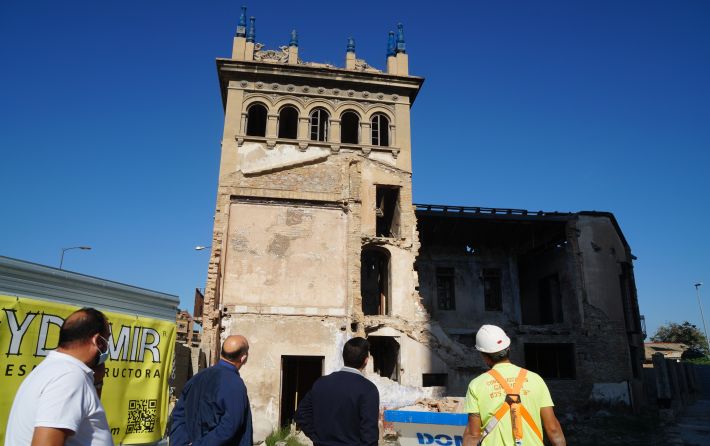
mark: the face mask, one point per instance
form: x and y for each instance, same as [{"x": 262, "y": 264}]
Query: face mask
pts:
[{"x": 102, "y": 356}]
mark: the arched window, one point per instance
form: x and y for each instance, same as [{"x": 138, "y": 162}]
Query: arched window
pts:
[
  {"x": 288, "y": 122},
  {"x": 374, "y": 280},
  {"x": 350, "y": 128},
  {"x": 319, "y": 125},
  {"x": 256, "y": 120},
  {"x": 380, "y": 130}
]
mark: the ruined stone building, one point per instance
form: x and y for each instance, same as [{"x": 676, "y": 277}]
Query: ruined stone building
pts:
[{"x": 316, "y": 240}]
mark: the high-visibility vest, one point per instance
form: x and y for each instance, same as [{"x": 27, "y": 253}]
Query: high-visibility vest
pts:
[{"x": 514, "y": 405}]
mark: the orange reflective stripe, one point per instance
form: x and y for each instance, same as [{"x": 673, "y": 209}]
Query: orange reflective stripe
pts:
[
  {"x": 527, "y": 417},
  {"x": 500, "y": 413},
  {"x": 519, "y": 381}
]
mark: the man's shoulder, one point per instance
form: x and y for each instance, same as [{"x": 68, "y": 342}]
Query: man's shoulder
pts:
[{"x": 350, "y": 378}]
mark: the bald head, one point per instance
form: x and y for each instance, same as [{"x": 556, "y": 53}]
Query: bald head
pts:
[
  {"x": 81, "y": 326},
  {"x": 235, "y": 349}
]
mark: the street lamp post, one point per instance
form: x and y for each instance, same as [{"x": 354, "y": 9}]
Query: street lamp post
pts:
[
  {"x": 61, "y": 259},
  {"x": 702, "y": 317}
]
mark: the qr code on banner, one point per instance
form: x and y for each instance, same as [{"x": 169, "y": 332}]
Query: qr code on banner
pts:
[{"x": 142, "y": 416}]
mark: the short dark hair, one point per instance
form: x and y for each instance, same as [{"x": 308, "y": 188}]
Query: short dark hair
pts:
[
  {"x": 499, "y": 356},
  {"x": 236, "y": 354},
  {"x": 355, "y": 352},
  {"x": 82, "y": 325}
]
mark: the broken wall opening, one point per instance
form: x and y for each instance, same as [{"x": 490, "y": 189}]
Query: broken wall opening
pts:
[
  {"x": 385, "y": 356},
  {"x": 540, "y": 290},
  {"x": 387, "y": 211},
  {"x": 435, "y": 379},
  {"x": 298, "y": 373},
  {"x": 551, "y": 361},
  {"x": 374, "y": 280}
]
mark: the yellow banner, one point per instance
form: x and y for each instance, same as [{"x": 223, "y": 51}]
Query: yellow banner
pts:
[{"x": 135, "y": 392}]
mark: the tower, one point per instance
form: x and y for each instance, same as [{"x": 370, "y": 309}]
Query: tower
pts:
[{"x": 314, "y": 232}]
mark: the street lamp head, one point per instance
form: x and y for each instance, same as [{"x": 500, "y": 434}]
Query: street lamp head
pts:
[
  {"x": 200, "y": 248},
  {"x": 88, "y": 248},
  {"x": 699, "y": 284}
]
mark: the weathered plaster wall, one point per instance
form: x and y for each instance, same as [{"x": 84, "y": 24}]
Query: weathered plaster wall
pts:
[{"x": 284, "y": 255}]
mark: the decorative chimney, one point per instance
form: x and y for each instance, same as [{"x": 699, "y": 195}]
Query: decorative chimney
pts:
[
  {"x": 239, "y": 45},
  {"x": 293, "y": 48},
  {"x": 350, "y": 54}
]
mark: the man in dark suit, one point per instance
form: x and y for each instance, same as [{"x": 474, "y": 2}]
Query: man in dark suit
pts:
[{"x": 343, "y": 407}]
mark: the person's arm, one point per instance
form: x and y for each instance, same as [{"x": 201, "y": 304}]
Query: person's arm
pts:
[
  {"x": 178, "y": 429},
  {"x": 233, "y": 402},
  {"x": 552, "y": 426},
  {"x": 304, "y": 417},
  {"x": 50, "y": 436},
  {"x": 472, "y": 433},
  {"x": 369, "y": 417}
]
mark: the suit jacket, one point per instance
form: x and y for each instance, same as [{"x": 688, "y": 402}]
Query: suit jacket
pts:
[
  {"x": 213, "y": 409},
  {"x": 341, "y": 409}
]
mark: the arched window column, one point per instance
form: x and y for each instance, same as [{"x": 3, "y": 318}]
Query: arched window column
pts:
[
  {"x": 272, "y": 126},
  {"x": 365, "y": 133},
  {"x": 334, "y": 133},
  {"x": 303, "y": 123}
]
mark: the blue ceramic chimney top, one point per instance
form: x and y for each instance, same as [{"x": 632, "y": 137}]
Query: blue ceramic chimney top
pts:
[
  {"x": 294, "y": 39},
  {"x": 351, "y": 45},
  {"x": 251, "y": 34},
  {"x": 401, "y": 46},
  {"x": 242, "y": 26},
  {"x": 390, "y": 44}
]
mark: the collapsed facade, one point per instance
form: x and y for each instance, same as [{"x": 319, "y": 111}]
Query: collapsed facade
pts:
[{"x": 316, "y": 240}]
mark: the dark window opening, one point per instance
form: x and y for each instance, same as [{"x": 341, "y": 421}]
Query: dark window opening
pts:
[
  {"x": 551, "y": 361},
  {"x": 636, "y": 361},
  {"x": 445, "y": 287},
  {"x": 380, "y": 127},
  {"x": 468, "y": 340},
  {"x": 385, "y": 356},
  {"x": 256, "y": 120},
  {"x": 319, "y": 125},
  {"x": 387, "y": 211},
  {"x": 288, "y": 123},
  {"x": 298, "y": 373},
  {"x": 434, "y": 379},
  {"x": 492, "y": 293},
  {"x": 542, "y": 306},
  {"x": 350, "y": 128},
  {"x": 374, "y": 281}
]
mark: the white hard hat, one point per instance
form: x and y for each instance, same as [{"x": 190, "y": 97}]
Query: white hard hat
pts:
[{"x": 491, "y": 339}]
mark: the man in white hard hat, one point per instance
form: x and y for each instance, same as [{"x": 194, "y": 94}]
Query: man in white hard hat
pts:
[{"x": 507, "y": 405}]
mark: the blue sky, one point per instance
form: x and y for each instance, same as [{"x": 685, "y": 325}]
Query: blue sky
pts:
[{"x": 111, "y": 123}]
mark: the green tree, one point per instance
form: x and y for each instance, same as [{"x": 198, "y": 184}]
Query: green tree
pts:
[{"x": 685, "y": 333}]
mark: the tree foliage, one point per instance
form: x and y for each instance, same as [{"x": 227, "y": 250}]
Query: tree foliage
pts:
[{"x": 685, "y": 333}]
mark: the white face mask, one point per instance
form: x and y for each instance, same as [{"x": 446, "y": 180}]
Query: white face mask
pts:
[{"x": 102, "y": 356}]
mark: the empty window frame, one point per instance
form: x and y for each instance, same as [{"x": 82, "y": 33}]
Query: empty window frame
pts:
[
  {"x": 541, "y": 300},
  {"x": 492, "y": 292},
  {"x": 256, "y": 120},
  {"x": 550, "y": 299},
  {"x": 385, "y": 356},
  {"x": 387, "y": 211},
  {"x": 350, "y": 128},
  {"x": 374, "y": 280},
  {"x": 288, "y": 122},
  {"x": 434, "y": 379},
  {"x": 445, "y": 289},
  {"x": 380, "y": 127},
  {"x": 551, "y": 361},
  {"x": 319, "y": 125}
]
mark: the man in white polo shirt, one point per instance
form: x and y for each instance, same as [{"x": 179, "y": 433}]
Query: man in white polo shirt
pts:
[{"x": 57, "y": 404}]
